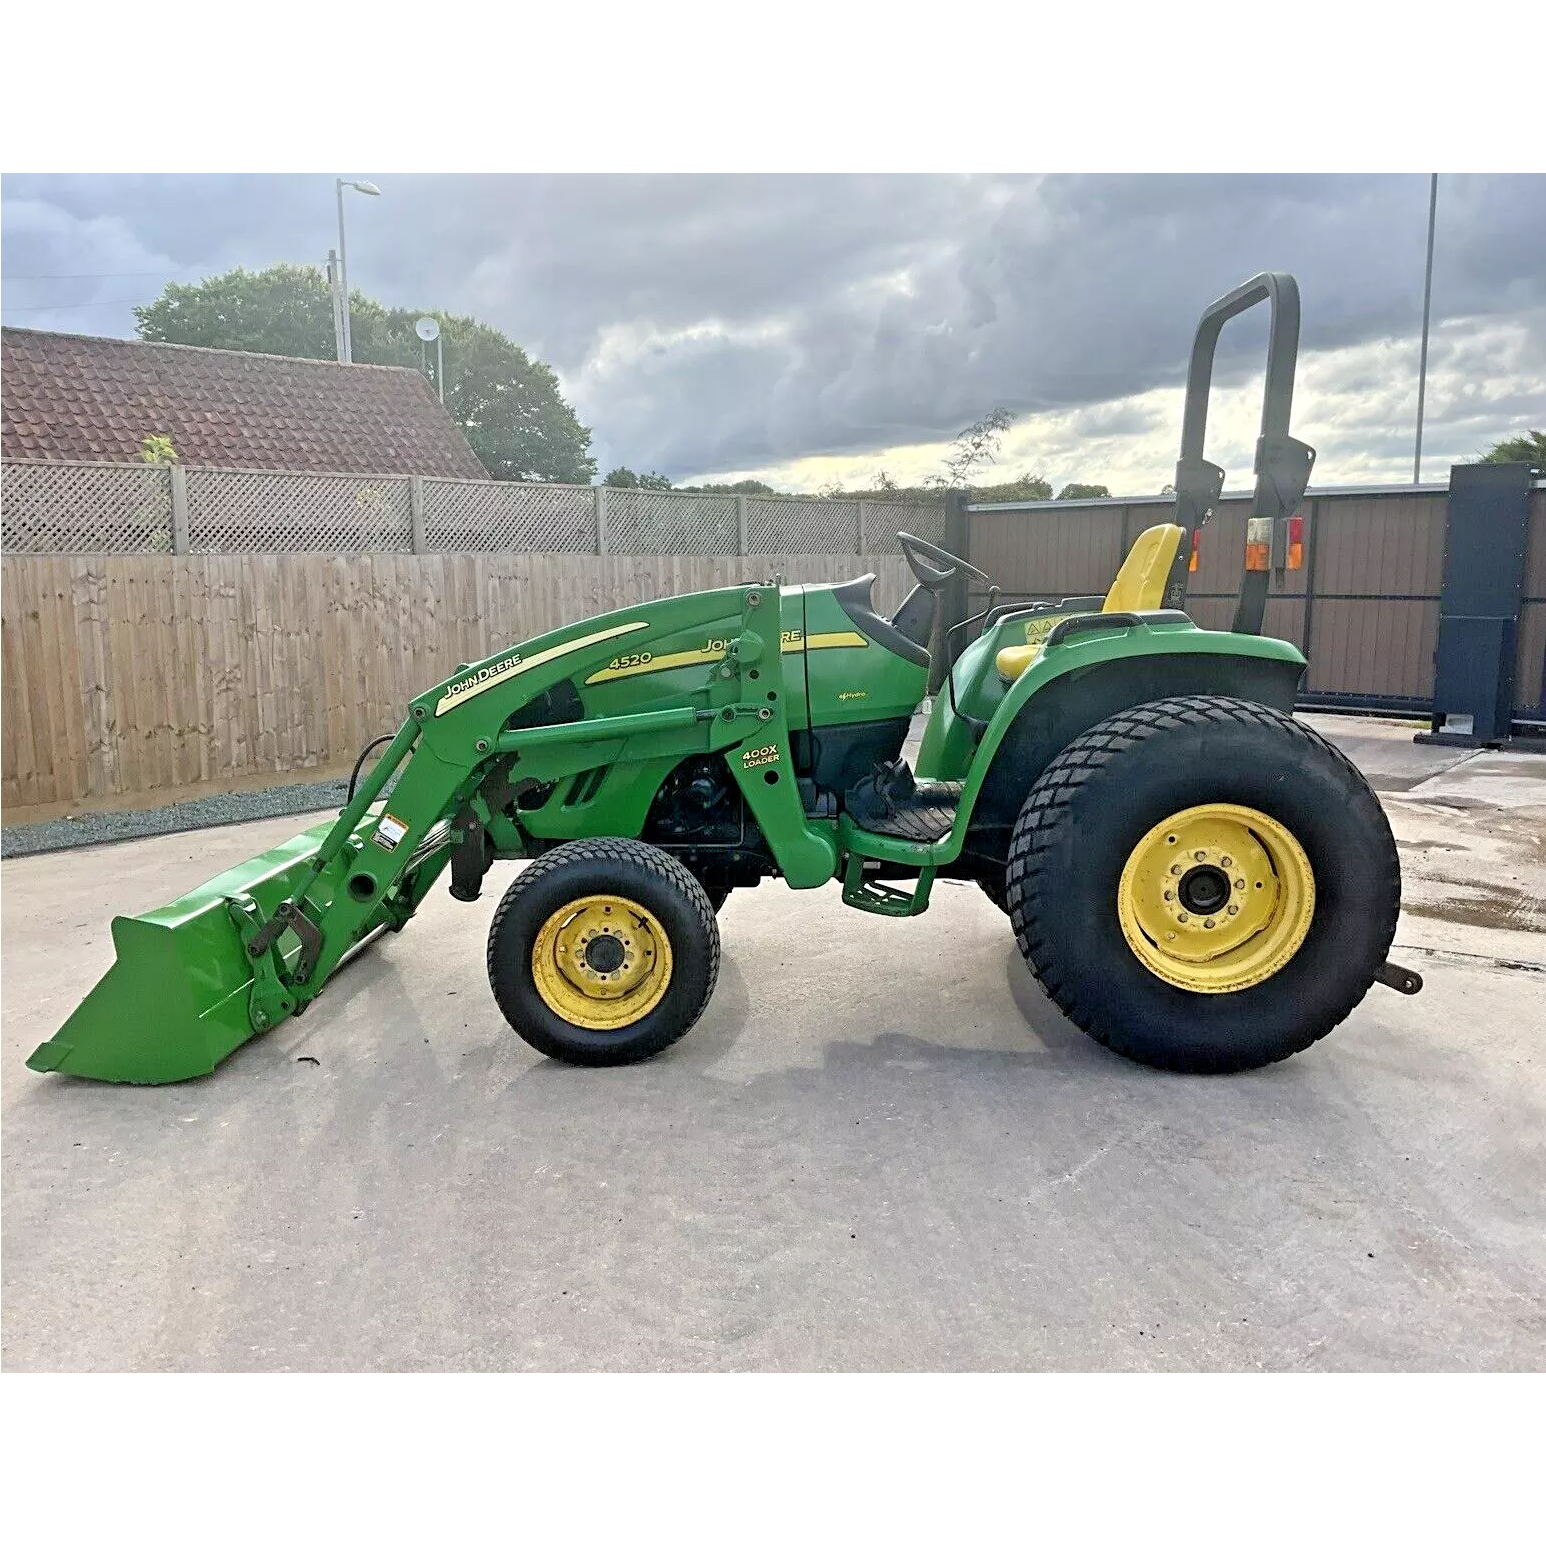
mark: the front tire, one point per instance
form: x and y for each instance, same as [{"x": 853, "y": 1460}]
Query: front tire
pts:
[
  {"x": 1203, "y": 884},
  {"x": 603, "y": 951}
]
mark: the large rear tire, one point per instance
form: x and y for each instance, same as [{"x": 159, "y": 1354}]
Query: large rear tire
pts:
[
  {"x": 1203, "y": 884},
  {"x": 603, "y": 951}
]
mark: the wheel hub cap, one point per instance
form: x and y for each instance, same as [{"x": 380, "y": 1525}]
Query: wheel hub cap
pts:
[
  {"x": 601, "y": 962},
  {"x": 1216, "y": 898}
]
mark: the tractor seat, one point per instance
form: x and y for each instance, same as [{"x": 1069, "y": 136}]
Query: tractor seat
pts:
[{"x": 1138, "y": 587}]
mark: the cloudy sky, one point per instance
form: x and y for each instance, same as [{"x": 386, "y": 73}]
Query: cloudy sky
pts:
[{"x": 813, "y": 330}]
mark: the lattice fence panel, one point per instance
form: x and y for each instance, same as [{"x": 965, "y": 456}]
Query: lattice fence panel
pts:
[
  {"x": 73, "y": 507},
  {"x": 883, "y": 522},
  {"x": 282, "y": 512},
  {"x": 466, "y": 517},
  {"x": 802, "y": 526},
  {"x": 643, "y": 521}
]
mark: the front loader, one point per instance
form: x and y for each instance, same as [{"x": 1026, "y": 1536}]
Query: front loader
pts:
[{"x": 1199, "y": 881}]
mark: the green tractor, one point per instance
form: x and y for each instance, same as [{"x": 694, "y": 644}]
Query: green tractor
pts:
[{"x": 1199, "y": 881}]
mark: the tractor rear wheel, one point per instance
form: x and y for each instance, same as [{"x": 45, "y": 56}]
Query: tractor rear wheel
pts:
[
  {"x": 1203, "y": 884},
  {"x": 603, "y": 951}
]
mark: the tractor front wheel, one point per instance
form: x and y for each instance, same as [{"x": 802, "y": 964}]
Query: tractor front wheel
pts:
[
  {"x": 603, "y": 951},
  {"x": 1203, "y": 884}
]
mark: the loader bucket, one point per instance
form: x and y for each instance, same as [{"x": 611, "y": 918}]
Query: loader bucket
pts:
[{"x": 176, "y": 1000}]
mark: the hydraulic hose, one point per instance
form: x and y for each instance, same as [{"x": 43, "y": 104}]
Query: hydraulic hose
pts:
[{"x": 354, "y": 777}]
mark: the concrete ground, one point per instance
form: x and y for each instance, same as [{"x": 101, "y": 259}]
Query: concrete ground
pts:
[{"x": 881, "y": 1148}]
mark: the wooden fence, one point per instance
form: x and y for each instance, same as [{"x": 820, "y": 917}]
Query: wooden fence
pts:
[{"x": 154, "y": 675}]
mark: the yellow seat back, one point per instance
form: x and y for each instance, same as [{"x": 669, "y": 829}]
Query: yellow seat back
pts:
[
  {"x": 1138, "y": 587},
  {"x": 1140, "y": 582}
]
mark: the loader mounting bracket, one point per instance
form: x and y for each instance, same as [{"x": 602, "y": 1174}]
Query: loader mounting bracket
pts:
[{"x": 273, "y": 981}]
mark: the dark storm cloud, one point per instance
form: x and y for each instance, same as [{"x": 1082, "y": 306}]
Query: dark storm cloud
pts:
[{"x": 704, "y": 323}]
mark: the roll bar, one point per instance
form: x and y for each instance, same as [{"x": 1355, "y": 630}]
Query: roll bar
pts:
[{"x": 1282, "y": 463}]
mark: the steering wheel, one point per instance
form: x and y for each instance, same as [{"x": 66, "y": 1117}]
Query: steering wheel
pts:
[{"x": 930, "y": 578}]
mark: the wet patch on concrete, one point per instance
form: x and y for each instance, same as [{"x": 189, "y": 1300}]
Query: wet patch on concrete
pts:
[{"x": 1484, "y": 906}]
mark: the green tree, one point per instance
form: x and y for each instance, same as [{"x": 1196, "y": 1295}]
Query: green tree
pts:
[
  {"x": 1529, "y": 447},
  {"x": 975, "y": 447},
  {"x": 1028, "y": 486},
  {"x": 280, "y": 310},
  {"x": 1085, "y": 491},
  {"x": 506, "y": 403},
  {"x": 742, "y": 486},
  {"x": 623, "y": 477}
]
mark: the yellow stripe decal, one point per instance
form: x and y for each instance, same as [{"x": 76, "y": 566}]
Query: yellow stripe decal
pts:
[
  {"x": 792, "y": 643},
  {"x": 514, "y": 665},
  {"x": 827, "y": 641},
  {"x": 652, "y": 663}
]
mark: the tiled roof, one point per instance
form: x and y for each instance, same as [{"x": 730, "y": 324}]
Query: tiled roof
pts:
[{"x": 69, "y": 398}]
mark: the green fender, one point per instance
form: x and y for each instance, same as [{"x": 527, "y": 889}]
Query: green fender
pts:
[{"x": 1178, "y": 637}]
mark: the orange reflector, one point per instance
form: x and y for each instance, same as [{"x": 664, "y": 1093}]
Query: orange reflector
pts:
[
  {"x": 1258, "y": 542},
  {"x": 1296, "y": 542},
  {"x": 1191, "y": 563}
]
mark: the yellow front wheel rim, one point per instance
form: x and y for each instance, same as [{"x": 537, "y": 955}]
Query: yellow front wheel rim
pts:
[
  {"x": 601, "y": 962},
  {"x": 1216, "y": 898}
]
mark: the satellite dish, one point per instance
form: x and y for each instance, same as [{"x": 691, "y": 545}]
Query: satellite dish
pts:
[{"x": 427, "y": 328}]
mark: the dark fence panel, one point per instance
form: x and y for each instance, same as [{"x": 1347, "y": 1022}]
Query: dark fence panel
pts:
[
  {"x": 1530, "y": 663},
  {"x": 1364, "y": 609}
]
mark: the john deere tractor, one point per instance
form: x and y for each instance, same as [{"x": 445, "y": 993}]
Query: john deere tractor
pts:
[{"x": 1199, "y": 881}]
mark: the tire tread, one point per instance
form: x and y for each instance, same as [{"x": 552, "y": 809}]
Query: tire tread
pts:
[
  {"x": 1047, "y": 809},
  {"x": 616, "y": 851}
]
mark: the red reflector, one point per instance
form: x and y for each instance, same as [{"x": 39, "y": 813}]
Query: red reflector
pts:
[
  {"x": 1296, "y": 542},
  {"x": 1191, "y": 563}
]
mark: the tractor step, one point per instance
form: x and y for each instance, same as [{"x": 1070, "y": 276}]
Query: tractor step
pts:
[
  {"x": 869, "y": 895},
  {"x": 890, "y": 803}
]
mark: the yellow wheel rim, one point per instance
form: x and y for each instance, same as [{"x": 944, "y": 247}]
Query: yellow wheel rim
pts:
[
  {"x": 1216, "y": 898},
  {"x": 601, "y": 962}
]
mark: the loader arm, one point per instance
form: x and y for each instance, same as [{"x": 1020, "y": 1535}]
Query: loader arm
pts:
[{"x": 195, "y": 979}]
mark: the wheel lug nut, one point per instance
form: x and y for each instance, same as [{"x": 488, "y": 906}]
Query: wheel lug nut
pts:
[
  {"x": 1233, "y": 909},
  {"x": 1175, "y": 869},
  {"x": 1226, "y": 861},
  {"x": 1201, "y": 853},
  {"x": 1208, "y": 923},
  {"x": 1182, "y": 917},
  {"x": 1239, "y": 885},
  {"x": 1169, "y": 895}
]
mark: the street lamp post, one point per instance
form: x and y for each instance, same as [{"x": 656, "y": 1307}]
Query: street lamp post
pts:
[
  {"x": 1422, "y": 368},
  {"x": 337, "y": 300},
  {"x": 343, "y": 257}
]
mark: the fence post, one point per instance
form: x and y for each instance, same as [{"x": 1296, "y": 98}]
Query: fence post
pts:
[
  {"x": 416, "y": 514},
  {"x": 859, "y": 534},
  {"x": 179, "y": 483},
  {"x": 601, "y": 518},
  {"x": 740, "y": 524}
]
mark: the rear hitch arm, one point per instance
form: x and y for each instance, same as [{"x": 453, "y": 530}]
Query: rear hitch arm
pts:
[{"x": 1402, "y": 978}]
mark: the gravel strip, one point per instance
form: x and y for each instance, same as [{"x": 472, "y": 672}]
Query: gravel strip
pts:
[{"x": 216, "y": 810}]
